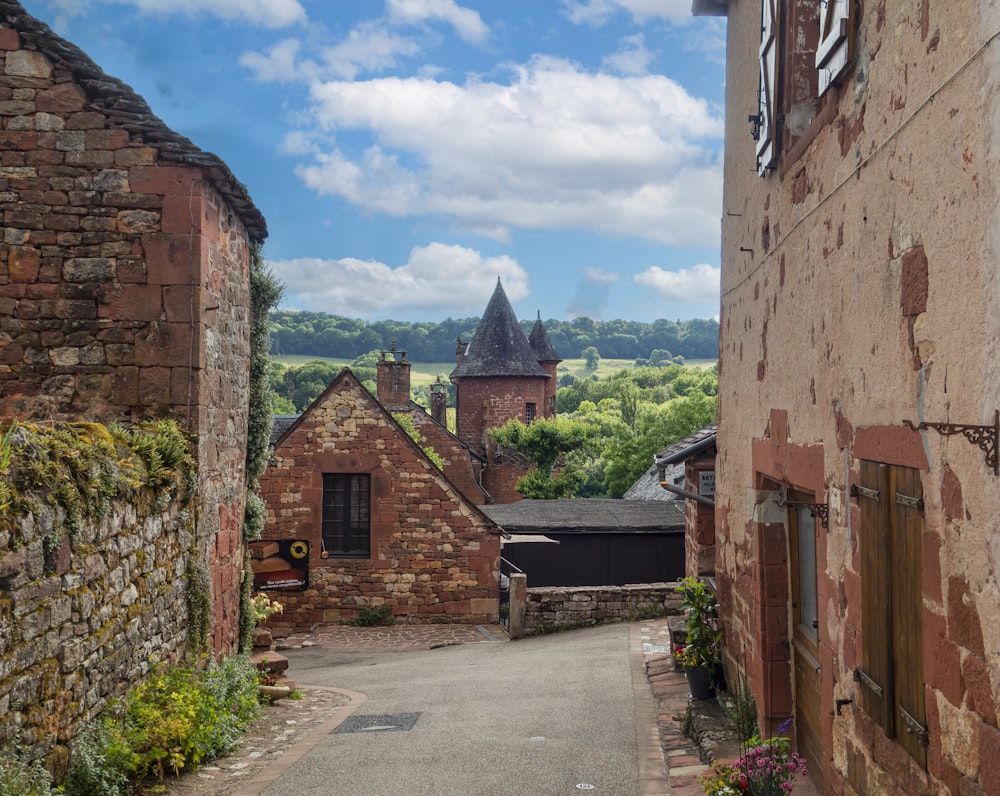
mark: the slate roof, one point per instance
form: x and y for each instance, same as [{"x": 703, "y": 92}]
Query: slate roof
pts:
[
  {"x": 124, "y": 107},
  {"x": 540, "y": 343},
  {"x": 647, "y": 487},
  {"x": 280, "y": 425},
  {"x": 587, "y": 516},
  {"x": 692, "y": 444},
  {"x": 499, "y": 347}
]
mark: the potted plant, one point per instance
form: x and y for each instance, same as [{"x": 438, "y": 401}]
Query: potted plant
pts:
[{"x": 702, "y": 650}]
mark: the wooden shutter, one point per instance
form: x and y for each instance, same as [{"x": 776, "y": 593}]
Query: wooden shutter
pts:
[
  {"x": 836, "y": 40},
  {"x": 875, "y": 674},
  {"x": 907, "y": 612},
  {"x": 766, "y": 127}
]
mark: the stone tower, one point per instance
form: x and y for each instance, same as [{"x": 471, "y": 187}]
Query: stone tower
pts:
[{"x": 500, "y": 375}]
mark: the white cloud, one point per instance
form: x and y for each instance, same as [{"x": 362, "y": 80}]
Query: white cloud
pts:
[
  {"x": 698, "y": 283},
  {"x": 266, "y": 13},
  {"x": 466, "y": 22},
  {"x": 370, "y": 47},
  {"x": 437, "y": 278},
  {"x": 632, "y": 57},
  {"x": 599, "y": 276},
  {"x": 279, "y": 64},
  {"x": 597, "y": 12},
  {"x": 555, "y": 148}
]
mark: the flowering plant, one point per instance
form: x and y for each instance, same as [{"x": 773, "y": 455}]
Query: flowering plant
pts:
[
  {"x": 766, "y": 768},
  {"x": 263, "y": 607},
  {"x": 695, "y": 657}
]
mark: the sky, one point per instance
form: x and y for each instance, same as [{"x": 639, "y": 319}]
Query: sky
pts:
[{"x": 407, "y": 153}]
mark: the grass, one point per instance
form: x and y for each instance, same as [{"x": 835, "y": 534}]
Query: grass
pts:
[{"x": 425, "y": 373}]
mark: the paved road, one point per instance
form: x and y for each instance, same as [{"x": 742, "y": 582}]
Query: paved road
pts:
[{"x": 537, "y": 717}]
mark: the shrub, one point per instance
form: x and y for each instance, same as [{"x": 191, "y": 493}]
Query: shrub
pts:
[
  {"x": 99, "y": 762},
  {"x": 180, "y": 716},
  {"x": 373, "y": 617},
  {"x": 21, "y": 775}
]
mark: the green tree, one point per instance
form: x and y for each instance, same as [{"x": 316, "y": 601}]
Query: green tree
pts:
[
  {"x": 591, "y": 357},
  {"x": 630, "y": 451},
  {"x": 546, "y": 444}
]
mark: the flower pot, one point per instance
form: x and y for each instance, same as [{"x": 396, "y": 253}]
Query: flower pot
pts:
[
  {"x": 274, "y": 691},
  {"x": 700, "y": 682}
]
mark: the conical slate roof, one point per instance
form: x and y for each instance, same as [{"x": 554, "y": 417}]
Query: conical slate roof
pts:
[
  {"x": 540, "y": 343},
  {"x": 499, "y": 347}
]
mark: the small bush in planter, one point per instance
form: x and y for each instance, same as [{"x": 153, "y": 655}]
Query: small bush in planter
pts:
[{"x": 703, "y": 643}]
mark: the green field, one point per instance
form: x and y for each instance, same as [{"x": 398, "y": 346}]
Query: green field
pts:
[{"x": 424, "y": 373}]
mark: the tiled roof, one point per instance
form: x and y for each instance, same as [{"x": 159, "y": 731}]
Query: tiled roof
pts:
[
  {"x": 499, "y": 347},
  {"x": 124, "y": 107},
  {"x": 647, "y": 487}
]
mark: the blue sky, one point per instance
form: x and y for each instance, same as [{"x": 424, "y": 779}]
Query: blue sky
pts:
[{"x": 407, "y": 152}]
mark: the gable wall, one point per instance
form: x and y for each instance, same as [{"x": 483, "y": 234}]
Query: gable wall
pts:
[
  {"x": 124, "y": 290},
  {"x": 433, "y": 557},
  {"x": 460, "y": 467}
]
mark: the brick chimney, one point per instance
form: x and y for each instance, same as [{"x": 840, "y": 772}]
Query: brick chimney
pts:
[
  {"x": 393, "y": 378},
  {"x": 439, "y": 402}
]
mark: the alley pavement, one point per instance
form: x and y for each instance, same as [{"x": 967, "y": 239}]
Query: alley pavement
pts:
[{"x": 458, "y": 709}]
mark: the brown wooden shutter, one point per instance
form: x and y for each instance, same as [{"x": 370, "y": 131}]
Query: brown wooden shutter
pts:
[
  {"x": 907, "y": 611},
  {"x": 767, "y": 130},
  {"x": 875, "y": 674},
  {"x": 836, "y": 39}
]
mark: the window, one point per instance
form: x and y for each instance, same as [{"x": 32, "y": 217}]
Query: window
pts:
[
  {"x": 891, "y": 672},
  {"x": 346, "y": 512},
  {"x": 805, "y": 47},
  {"x": 529, "y": 413}
]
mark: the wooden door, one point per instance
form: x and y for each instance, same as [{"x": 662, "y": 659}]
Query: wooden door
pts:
[{"x": 805, "y": 640}]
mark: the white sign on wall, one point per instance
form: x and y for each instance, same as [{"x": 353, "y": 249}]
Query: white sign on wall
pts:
[{"x": 706, "y": 483}]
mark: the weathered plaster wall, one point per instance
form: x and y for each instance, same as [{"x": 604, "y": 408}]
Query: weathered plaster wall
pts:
[
  {"x": 434, "y": 556},
  {"x": 82, "y": 624},
  {"x": 124, "y": 286},
  {"x": 859, "y": 289}
]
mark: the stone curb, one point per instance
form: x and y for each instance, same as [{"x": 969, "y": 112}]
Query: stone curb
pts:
[{"x": 305, "y": 744}]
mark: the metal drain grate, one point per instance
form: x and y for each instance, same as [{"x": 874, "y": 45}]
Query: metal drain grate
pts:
[{"x": 395, "y": 722}]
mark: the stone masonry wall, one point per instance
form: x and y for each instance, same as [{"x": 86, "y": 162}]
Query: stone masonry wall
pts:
[
  {"x": 459, "y": 465},
  {"x": 82, "y": 624},
  {"x": 124, "y": 279},
  {"x": 434, "y": 556},
  {"x": 563, "y": 607}
]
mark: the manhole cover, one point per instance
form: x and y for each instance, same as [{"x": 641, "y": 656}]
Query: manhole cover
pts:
[
  {"x": 396, "y": 722},
  {"x": 648, "y": 648}
]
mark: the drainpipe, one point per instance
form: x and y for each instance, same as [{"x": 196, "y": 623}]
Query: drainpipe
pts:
[{"x": 661, "y": 470}]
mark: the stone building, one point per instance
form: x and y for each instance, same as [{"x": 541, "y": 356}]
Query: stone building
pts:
[
  {"x": 124, "y": 286},
  {"x": 857, "y": 495},
  {"x": 502, "y": 375},
  {"x": 357, "y": 515}
]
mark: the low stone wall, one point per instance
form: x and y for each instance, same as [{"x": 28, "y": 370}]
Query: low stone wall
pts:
[
  {"x": 81, "y": 621},
  {"x": 562, "y": 607}
]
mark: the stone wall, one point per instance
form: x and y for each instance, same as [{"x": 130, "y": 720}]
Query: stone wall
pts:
[
  {"x": 460, "y": 466},
  {"x": 433, "y": 555},
  {"x": 562, "y": 607},
  {"x": 82, "y": 624},
  {"x": 124, "y": 274}
]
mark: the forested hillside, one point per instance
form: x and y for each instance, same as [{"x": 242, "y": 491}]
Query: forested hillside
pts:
[{"x": 322, "y": 335}]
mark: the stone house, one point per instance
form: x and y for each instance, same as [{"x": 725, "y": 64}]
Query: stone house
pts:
[
  {"x": 357, "y": 515},
  {"x": 124, "y": 282},
  {"x": 857, "y": 496},
  {"x": 502, "y": 374}
]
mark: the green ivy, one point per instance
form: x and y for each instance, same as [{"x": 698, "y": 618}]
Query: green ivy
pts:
[
  {"x": 406, "y": 422},
  {"x": 199, "y": 601}
]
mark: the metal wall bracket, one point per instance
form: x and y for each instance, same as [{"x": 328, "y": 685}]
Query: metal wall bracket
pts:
[
  {"x": 858, "y": 491},
  {"x": 984, "y": 436},
  {"x": 821, "y": 510}
]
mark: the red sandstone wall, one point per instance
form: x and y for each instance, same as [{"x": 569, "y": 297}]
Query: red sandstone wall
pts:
[
  {"x": 460, "y": 467},
  {"x": 434, "y": 557},
  {"x": 485, "y": 403},
  {"x": 124, "y": 291},
  {"x": 858, "y": 291}
]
